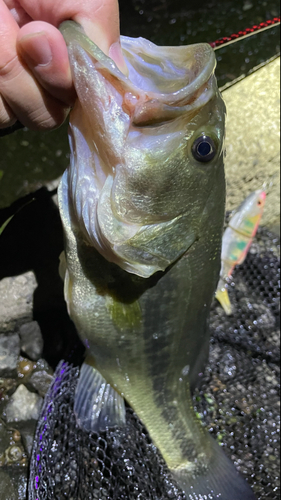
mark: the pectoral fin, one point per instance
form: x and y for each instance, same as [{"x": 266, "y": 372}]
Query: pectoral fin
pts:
[{"x": 97, "y": 405}]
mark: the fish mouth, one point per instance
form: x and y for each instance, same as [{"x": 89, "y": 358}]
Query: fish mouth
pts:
[{"x": 172, "y": 76}]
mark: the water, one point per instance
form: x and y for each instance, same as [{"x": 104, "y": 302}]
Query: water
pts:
[{"x": 30, "y": 159}]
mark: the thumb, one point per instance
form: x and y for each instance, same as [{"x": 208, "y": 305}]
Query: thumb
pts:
[{"x": 102, "y": 27}]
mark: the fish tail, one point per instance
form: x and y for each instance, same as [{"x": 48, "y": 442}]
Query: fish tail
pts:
[
  {"x": 97, "y": 405},
  {"x": 223, "y": 298},
  {"x": 218, "y": 479}
]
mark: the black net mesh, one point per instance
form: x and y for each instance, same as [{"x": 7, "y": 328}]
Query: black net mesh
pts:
[{"x": 238, "y": 402}]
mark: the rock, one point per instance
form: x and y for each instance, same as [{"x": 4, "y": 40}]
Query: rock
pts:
[
  {"x": 40, "y": 381},
  {"x": 23, "y": 405},
  {"x": 4, "y": 439},
  {"x": 7, "y": 386},
  {"x": 9, "y": 351},
  {"x": 42, "y": 364},
  {"x": 27, "y": 430},
  {"x": 7, "y": 491},
  {"x": 16, "y": 300},
  {"x": 31, "y": 340},
  {"x": 41, "y": 377},
  {"x": 28, "y": 442}
]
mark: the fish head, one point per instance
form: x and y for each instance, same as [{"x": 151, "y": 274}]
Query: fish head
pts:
[{"x": 146, "y": 149}]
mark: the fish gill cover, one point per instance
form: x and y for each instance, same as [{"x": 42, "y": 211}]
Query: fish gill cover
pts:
[{"x": 238, "y": 403}]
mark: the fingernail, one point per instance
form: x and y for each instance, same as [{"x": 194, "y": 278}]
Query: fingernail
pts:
[
  {"x": 36, "y": 49},
  {"x": 115, "y": 53}
]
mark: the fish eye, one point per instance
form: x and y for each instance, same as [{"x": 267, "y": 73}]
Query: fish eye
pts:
[{"x": 204, "y": 148}]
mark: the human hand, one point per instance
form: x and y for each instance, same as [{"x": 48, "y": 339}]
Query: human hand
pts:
[{"x": 35, "y": 80}]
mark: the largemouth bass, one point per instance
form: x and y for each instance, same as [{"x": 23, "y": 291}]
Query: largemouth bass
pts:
[{"x": 142, "y": 205}]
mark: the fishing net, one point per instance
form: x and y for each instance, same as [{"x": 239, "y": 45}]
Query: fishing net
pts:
[{"x": 238, "y": 402}]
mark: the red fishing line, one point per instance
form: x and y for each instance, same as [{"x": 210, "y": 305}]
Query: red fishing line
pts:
[{"x": 245, "y": 33}]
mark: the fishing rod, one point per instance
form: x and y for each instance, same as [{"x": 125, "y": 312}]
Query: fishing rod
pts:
[{"x": 221, "y": 42}]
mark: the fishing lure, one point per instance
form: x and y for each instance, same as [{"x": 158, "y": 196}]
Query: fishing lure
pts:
[{"x": 237, "y": 240}]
